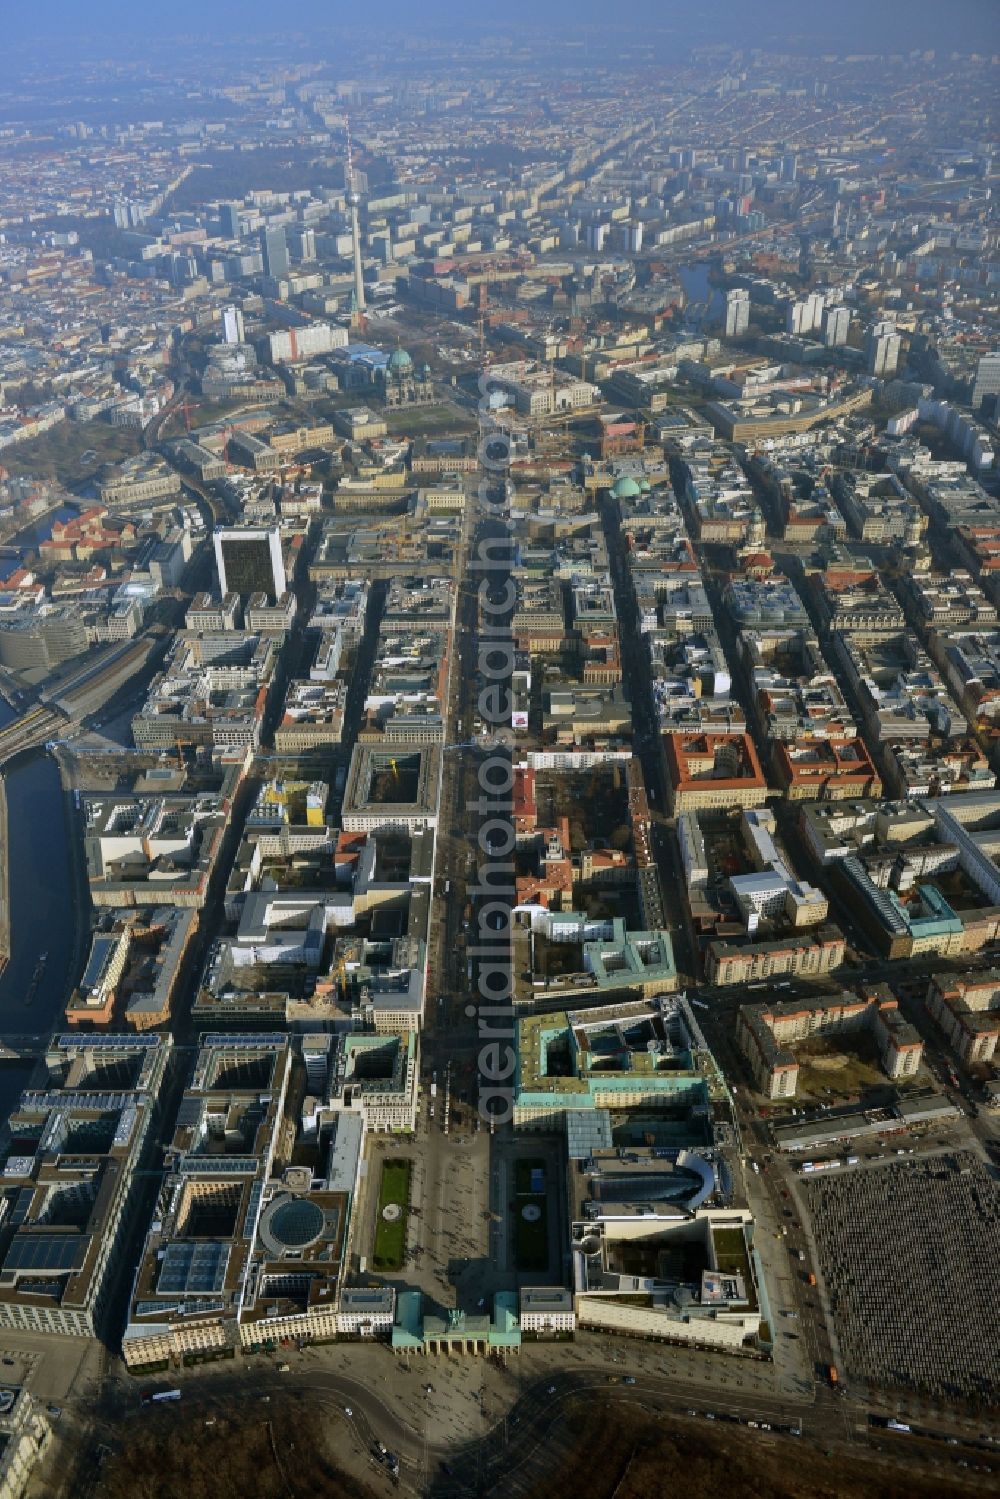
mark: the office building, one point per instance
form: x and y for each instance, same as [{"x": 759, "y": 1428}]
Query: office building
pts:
[
  {"x": 713, "y": 770},
  {"x": 229, "y": 216},
  {"x": 737, "y": 312},
  {"x": 836, "y": 326},
  {"x": 274, "y": 249},
  {"x": 249, "y": 561},
  {"x": 882, "y": 345},
  {"x": 292, "y": 345},
  {"x": 239, "y": 1253},
  {"x": 232, "y": 326},
  {"x": 646, "y": 1053},
  {"x": 987, "y": 381},
  {"x": 76, "y": 1142},
  {"x": 375, "y": 1076},
  {"x": 805, "y": 316},
  {"x": 302, "y": 243}
]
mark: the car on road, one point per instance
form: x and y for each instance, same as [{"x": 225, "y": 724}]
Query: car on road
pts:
[
  {"x": 552, "y": 1389},
  {"x": 348, "y": 1411},
  {"x": 629, "y": 1379}
]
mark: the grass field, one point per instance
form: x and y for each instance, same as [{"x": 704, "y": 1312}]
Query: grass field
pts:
[
  {"x": 427, "y": 421},
  {"x": 390, "y": 1237},
  {"x": 72, "y": 452}
]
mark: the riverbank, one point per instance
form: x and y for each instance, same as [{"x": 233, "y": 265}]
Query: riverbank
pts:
[
  {"x": 83, "y": 910},
  {"x": 42, "y": 901},
  {"x": 26, "y": 534},
  {"x": 4, "y": 880}
]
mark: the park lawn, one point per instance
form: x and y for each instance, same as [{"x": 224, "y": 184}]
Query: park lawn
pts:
[
  {"x": 390, "y": 1238},
  {"x": 59, "y": 453}
]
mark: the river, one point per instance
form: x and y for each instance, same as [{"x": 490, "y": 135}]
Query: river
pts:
[
  {"x": 41, "y": 897},
  {"x": 29, "y": 538},
  {"x": 698, "y": 289},
  {"x": 41, "y": 529}
]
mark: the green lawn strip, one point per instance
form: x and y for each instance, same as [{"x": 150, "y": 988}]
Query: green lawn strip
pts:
[{"x": 390, "y": 1237}]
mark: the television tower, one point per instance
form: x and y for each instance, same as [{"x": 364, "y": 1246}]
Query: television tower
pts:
[{"x": 353, "y": 199}]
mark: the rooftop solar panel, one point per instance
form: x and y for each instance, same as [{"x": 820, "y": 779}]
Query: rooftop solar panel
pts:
[{"x": 41, "y": 1251}]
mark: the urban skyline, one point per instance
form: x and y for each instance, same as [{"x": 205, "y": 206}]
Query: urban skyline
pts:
[{"x": 500, "y": 739}]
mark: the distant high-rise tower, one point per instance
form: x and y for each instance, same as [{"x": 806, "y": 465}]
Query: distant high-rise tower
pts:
[
  {"x": 275, "y": 251},
  {"x": 987, "y": 381},
  {"x": 229, "y": 215},
  {"x": 836, "y": 326},
  {"x": 737, "y": 312},
  {"x": 232, "y": 326},
  {"x": 302, "y": 243},
  {"x": 882, "y": 345},
  {"x": 353, "y": 200},
  {"x": 789, "y": 167}
]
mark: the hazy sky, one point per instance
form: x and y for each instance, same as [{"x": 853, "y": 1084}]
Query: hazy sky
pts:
[{"x": 862, "y": 24}]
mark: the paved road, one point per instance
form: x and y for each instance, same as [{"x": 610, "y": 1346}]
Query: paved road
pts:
[{"x": 501, "y": 1440}]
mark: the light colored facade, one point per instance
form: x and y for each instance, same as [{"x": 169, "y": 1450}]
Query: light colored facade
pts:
[
  {"x": 366, "y": 1312},
  {"x": 267, "y": 618},
  {"x": 94, "y": 999},
  {"x": 967, "y": 1008},
  {"x": 25, "y": 1436},
  {"x": 248, "y": 560},
  {"x": 547, "y": 1309},
  {"x": 793, "y": 956},
  {"x": 313, "y": 716},
  {"x": 692, "y": 847},
  {"x": 377, "y": 1077},
  {"x": 139, "y": 483}
]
